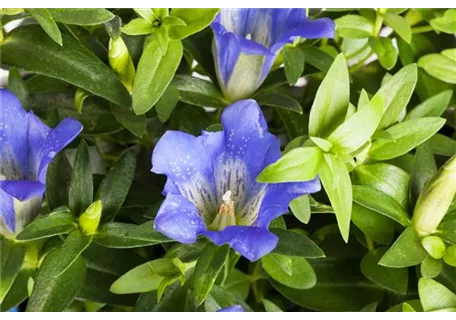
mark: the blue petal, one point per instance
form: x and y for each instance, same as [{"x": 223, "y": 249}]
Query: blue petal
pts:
[
  {"x": 7, "y": 213},
  {"x": 278, "y": 197},
  {"x": 235, "y": 308},
  {"x": 13, "y": 137},
  {"x": 179, "y": 219},
  {"x": 57, "y": 139},
  {"x": 251, "y": 242},
  {"x": 186, "y": 162},
  {"x": 23, "y": 189}
]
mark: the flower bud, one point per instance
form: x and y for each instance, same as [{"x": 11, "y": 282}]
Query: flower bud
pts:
[
  {"x": 90, "y": 219},
  {"x": 121, "y": 63},
  {"x": 435, "y": 199}
]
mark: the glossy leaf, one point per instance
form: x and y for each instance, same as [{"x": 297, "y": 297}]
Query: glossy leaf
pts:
[
  {"x": 46, "y": 22},
  {"x": 195, "y": 20},
  {"x": 198, "y": 92},
  {"x": 81, "y": 17},
  {"x": 400, "y": 25},
  {"x": 293, "y": 59},
  {"x": 81, "y": 185},
  {"x": 435, "y": 296},
  {"x": 12, "y": 255},
  {"x": 432, "y": 107},
  {"x": 278, "y": 100},
  {"x": 354, "y": 26},
  {"x": 300, "y": 207},
  {"x": 439, "y": 66},
  {"x": 385, "y": 51}
]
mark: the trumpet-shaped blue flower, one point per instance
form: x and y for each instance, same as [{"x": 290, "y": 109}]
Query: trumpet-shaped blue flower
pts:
[
  {"x": 212, "y": 190},
  {"x": 235, "y": 308},
  {"x": 247, "y": 42},
  {"x": 27, "y": 146}
]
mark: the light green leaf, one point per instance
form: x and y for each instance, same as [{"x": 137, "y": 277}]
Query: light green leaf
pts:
[
  {"x": 137, "y": 27},
  {"x": 300, "y": 164},
  {"x": 173, "y": 21},
  {"x": 439, "y": 66},
  {"x": 400, "y": 25},
  {"x": 385, "y": 51},
  {"x": 195, "y": 20},
  {"x": 337, "y": 184},
  {"x": 46, "y": 22},
  {"x": 442, "y": 145},
  {"x": 270, "y": 306},
  {"x": 81, "y": 17},
  {"x": 300, "y": 207},
  {"x": 79, "y": 97},
  {"x": 147, "y": 14},
  {"x": 12, "y": 255},
  {"x": 435, "y": 296},
  {"x": 331, "y": 101},
  {"x": 406, "y": 136},
  {"x": 154, "y": 73},
  {"x": 430, "y": 267},
  {"x": 376, "y": 226},
  {"x": 407, "y": 251},
  {"x": 445, "y": 23},
  {"x": 354, "y": 26},
  {"x": 432, "y": 107}
]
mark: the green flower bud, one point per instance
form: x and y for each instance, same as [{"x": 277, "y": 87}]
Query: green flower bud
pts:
[
  {"x": 90, "y": 219},
  {"x": 436, "y": 198},
  {"x": 121, "y": 63},
  {"x": 434, "y": 246},
  {"x": 450, "y": 256}
]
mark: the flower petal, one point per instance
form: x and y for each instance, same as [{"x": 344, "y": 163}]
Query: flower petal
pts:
[
  {"x": 187, "y": 163},
  {"x": 235, "y": 308},
  {"x": 57, "y": 139},
  {"x": 278, "y": 197},
  {"x": 23, "y": 189},
  {"x": 251, "y": 242},
  {"x": 13, "y": 137},
  {"x": 179, "y": 219},
  {"x": 7, "y": 214}
]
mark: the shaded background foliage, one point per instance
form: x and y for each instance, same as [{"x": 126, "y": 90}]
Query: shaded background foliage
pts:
[{"x": 65, "y": 63}]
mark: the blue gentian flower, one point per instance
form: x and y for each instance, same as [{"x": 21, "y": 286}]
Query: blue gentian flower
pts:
[
  {"x": 27, "y": 146},
  {"x": 212, "y": 190},
  {"x": 247, "y": 41},
  {"x": 235, "y": 308}
]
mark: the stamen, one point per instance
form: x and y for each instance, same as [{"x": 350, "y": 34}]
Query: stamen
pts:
[
  {"x": 227, "y": 197},
  {"x": 226, "y": 215},
  {"x": 248, "y": 36}
]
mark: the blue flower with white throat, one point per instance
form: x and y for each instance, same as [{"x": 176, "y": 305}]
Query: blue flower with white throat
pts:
[
  {"x": 211, "y": 188},
  {"x": 247, "y": 41}
]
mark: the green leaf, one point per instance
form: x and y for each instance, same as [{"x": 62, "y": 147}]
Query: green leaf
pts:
[
  {"x": 134, "y": 123},
  {"x": 124, "y": 235},
  {"x": 295, "y": 244},
  {"x": 81, "y": 17},
  {"x": 46, "y": 22},
  {"x": 450, "y": 256},
  {"x": 385, "y": 51},
  {"x": 450, "y": 53},
  {"x": 337, "y": 184},
  {"x": 395, "y": 95},
  {"x": 198, "y": 92},
  {"x": 168, "y": 101},
  {"x": 293, "y": 60},
  {"x": 162, "y": 36},
  {"x": 432, "y": 107},
  {"x": 439, "y": 66},
  {"x": 323, "y": 144},
  {"x": 435, "y": 296},
  {"x": 138, "y": 27},
  {"x": 445, "y": 23},
  {"x": 300, "y": 207},
  {"x": 301, "y": 276},
  {"x": 208, "y": 267},
  {"x": 400, "y": 25},
  {"x": 278, "y": 100},
  {"x": 17, "y": 85},
  {"x": 380, "y": 202},
  {"x": 115, "y": 186},
  {"x": 81, "y": 185},
  {"x": 270, "y": 306},
  {"x": 406, "y": 136},
  {"x": 354, "y": 26},
  {"x": 334, "y": 292},
  {"x": 79, "y": 98},
  {"x": 384, "y": 177},
  {"x": 407, "y": 251},
  {"x": 58, "y": 179},
  {"x": 424, "y": 168},
  {"x": 51, "y": 292},
  {"x": 430, "y": 267},
  {"x": 376, "y": 226},
  {"x": 357, "y": 130},
  {"x": 12, "y": 255},
  {"x": 221, "y": 298},
  {"x": 18, "y": 291},
  {"x": 434, "y": 246},
  {"x": 300, "y": 164},
  {"x": 394, "y": 279},
  {"x": 442, "y": 145},
  {"x": 173, "y": 21},
  {"x": 154, "y": 73},
  {"x": 195, "y": 20},
  {"x": 30, "y": 49},
  {"x": 70, "y": 251},
  {"x": 60, "y": 221},
  {"x": 317, "y": 58},
  {"x": 331, "y": 101}
]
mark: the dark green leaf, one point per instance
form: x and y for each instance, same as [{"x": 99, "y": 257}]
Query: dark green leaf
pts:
[
  {"x": 81, "y": 17},
  {"x": 12, "y": 255},
  {"x": 432, "y": 107},
  {"x": 209, "y": 265},
  {"x": 167, "y": 103},
  {"x": 58, "y": 179},
  {"x": 136, "y": 124},
  {"x": 442, "y": 145},
  {"x": 301, "y": 275},
  {"x": 220, "y": 298},
  {"x": 114, "y": 187},
  {"x": 18, "y": 292},
  {"x": 29, "y": 48},
  {"x": 81, "y": 185},
  {"x": 269, "y": 306},
  {"x": 317, "y": 58},
  {"x": 376, "y": 226},
  {"x": 46, "y": 22},
  {"x": 293, "y": 60},
  {"x": 17, "y": 85},
  {"x": 278, "y": 100},
  {"x": 424, "y": 168},
  {"x": 198, "y": 92},
  {"x": 295, "y": 244}
]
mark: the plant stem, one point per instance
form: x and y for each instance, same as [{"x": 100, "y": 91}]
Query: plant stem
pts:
[{"x": 422, "y": 29}]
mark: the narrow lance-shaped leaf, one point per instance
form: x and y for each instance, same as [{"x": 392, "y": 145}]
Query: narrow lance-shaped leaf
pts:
[{"x": 81, "y": 185}]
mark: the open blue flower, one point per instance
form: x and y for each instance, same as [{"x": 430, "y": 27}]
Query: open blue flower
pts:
[
  {"x": 27, "y": 146},
  {"x": 212, "y": 190},
  {"x": 247, "y": 42},
  {"x": 235, "y": 308}
]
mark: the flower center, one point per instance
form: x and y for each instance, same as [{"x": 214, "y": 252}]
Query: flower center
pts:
[{"x": 225, "y": 216}]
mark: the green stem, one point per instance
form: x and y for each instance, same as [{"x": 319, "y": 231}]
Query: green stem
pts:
[
  {"x": 422, "y": 29},
  {"x": 378, "y": 24},
  {"x": 370, "y": 244}
]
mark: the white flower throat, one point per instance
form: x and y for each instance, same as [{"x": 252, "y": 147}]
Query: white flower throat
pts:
[{"x": 226, "y": 215}]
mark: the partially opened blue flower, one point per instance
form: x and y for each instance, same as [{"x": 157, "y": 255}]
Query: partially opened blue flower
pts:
[
  {"x": 212, "y": 190},
  {"x": 247, "y": 42},
  {"x": 235, "y": 308},
  {"x": 27, "y": 146}
]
